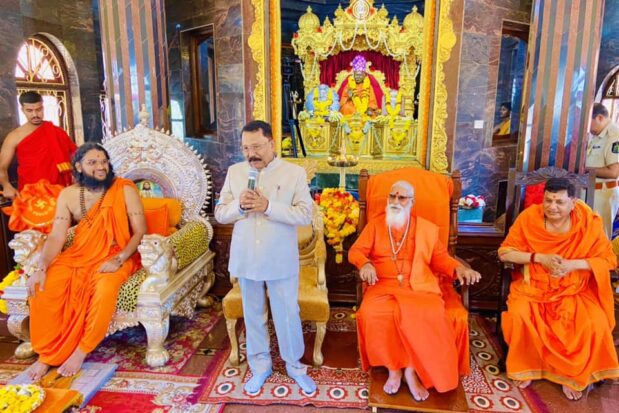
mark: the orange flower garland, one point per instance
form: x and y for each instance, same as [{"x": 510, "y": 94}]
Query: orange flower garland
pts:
[{"x": 341, "y": 215}]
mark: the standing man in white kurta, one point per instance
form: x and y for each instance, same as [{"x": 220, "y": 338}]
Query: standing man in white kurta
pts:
[
  {"x": 264, "y": 253},
  {"x": 603, "y": 159}
]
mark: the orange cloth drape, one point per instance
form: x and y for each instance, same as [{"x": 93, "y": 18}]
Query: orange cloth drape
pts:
[
  {"x": 559, "y": 329},
  {"x": 78, "y": 302},
  {"x": 34, "y": 208},
  {"x": 409, "y": 325},
  {"x": 60, "y": 400},
  {"x": 45, "y": 154},
  {"x": 347, "y": 106}
]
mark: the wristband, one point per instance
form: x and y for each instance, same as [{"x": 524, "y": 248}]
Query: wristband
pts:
[
  {"x": 38, "y": 267},
  {"x": 532, "y": 259}
]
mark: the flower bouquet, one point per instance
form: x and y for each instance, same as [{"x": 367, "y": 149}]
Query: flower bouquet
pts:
[
  {"x": 471, "y": 208},
  {"x": 341, "y": 215},
  {"x": 21, "y": 398}
]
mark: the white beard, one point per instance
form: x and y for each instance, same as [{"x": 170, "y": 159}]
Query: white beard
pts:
[{"x": 397, "y": 215}]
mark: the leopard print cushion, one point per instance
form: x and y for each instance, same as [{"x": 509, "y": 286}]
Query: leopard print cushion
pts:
[
  {"x": 189, "y": 243},
  {"x": 128, "y": 295}
]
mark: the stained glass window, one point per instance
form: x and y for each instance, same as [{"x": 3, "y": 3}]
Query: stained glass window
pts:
[{"x": 40, "y": 68}]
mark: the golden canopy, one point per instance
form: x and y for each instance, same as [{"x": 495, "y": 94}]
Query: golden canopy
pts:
[{"x": 360, "y": 26}]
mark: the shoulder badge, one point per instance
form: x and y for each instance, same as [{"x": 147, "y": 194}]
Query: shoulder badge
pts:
[{"x": 615, "y": 147}]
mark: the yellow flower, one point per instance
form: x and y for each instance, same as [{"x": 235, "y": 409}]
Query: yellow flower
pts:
[
  {"x": 8, "y": 280},
  {"x": 20, "y": 398}
]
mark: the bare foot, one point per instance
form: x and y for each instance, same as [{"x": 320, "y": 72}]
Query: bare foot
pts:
[
  {"x": 37, "y": 371},
  {"x": 73, "y": 364},
  {"x": 419, "y": 392},
  {"x": 522, "y": 384},
  {"x": 392, "y": 385},
  {"x": 571, "y": 394}
]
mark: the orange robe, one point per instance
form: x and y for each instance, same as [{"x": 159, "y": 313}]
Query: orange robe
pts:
[
  {"x": 45, "y": 154},
  {"x": 559, "y": 329},
  {"x": 347, "y": 106},
  {"x": 408, "y": 325},
  {"x": 77, "y": 304}
]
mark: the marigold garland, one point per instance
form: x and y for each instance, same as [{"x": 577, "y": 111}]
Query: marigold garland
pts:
[
  {"x": 20, "y": 398},
  {"x": 7, "y": 281},
  {"x": 341, "y": 215}
]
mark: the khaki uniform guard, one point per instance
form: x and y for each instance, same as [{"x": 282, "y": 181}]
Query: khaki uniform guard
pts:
[{"x": 602, "y": 151}]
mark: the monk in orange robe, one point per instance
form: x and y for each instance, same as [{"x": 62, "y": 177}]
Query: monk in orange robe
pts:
[
  {"x": 73, "y": 292},
  {"x": 43, "y": 150},
  {"x": 357, "y": 92},
  {"x": 402, "y": 323},
  {"x": 560, "y": 311}
]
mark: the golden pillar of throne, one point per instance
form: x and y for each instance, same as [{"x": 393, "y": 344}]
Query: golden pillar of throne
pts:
[{"x": 390, "y": 133}]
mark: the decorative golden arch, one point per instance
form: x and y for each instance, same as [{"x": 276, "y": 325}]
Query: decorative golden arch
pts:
[
  {"x": 265, "y": 40},
  {"x": 360, "y": 27}
]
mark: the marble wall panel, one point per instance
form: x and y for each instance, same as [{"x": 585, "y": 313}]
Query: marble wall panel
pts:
[
  {"x": 10, "y": 32},
  {"x": 475, "y": 48},
  {"x": 214, "y": 154},
  {"x": 228, "y": 49},
  {"x": 223, "y": 149},
  {"x": 481, "y": 165},
  {"x": 228, "y": 76},
  {"x": 229, "y": 21},
  {"x": 609, "y": 47}
]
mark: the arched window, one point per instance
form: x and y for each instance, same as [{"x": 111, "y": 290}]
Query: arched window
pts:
[
  {"x": 610, "y": 95},
  {"x": 40, "y": 68}
]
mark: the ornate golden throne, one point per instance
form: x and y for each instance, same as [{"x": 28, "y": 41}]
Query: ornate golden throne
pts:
[
  {"x": 177, "y": 270},
  {"x": 362, "y": 27}
]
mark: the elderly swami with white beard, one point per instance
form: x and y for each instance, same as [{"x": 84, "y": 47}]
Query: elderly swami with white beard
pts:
[{"x": 402, "y": 323}]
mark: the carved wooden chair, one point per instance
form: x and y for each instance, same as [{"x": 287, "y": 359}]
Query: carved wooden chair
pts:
[
  {"x": 436, "y": 199},
  {"x": 313, "y": 294},
  {"x": 517, "y": 183},
  {"x": 177, "y": 270}
]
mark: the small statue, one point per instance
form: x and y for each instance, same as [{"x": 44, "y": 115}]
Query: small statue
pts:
[
  {"x": 322, "y": 102},
  {"x": 294, "y": 101},
  {"x": 358, "y": 95},
  {"x": 27, "y": 246},
  {"x": 392, "y": 103},
  {"x": 357, "y": 128},
  {"x": 158, "y": 260}
]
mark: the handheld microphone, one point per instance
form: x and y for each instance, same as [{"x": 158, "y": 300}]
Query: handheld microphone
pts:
[{"x": 252, "y": 179}]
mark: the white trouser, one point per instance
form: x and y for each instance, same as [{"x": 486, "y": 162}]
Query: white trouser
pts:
[
  {"x": 606, "y": 203},
  {"x": 285, "y": 311}
]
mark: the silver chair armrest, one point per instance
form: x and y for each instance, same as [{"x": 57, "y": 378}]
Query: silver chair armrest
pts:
[{"x": 159, "y": 262}]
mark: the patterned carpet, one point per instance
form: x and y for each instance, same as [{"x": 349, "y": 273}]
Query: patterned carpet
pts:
[
  {"x": 338, "y": 385},
  {"x": 198, "y": 377},
  {"x": 136, "y": 387},
  {"x": 487, "y": 389}
]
